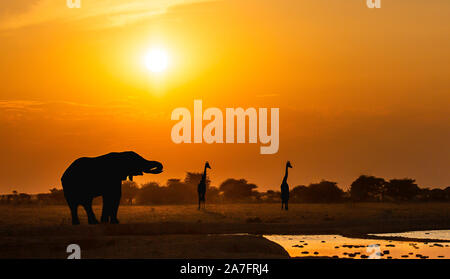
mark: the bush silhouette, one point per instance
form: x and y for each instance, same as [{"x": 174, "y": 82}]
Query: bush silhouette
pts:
[
  {"x": 129, "y": 191},
  {"x": 238, "y": 190},
  {"x": 325, "y": 191},
  {"x": 367, "y": 188},
  {"x": 177, "y": 191},
  {"x": 401, "y": 189}
]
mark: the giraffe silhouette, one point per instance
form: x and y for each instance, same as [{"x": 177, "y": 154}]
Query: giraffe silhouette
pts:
[
  {"x": 201, "y": 189},
  {"x": 285, "y": 188}
]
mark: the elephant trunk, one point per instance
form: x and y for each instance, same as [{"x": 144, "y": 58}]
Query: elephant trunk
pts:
[{"x": 153, "y": 167}]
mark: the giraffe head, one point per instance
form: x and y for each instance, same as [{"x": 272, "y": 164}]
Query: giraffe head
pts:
[{"x": 207, "y": 165}]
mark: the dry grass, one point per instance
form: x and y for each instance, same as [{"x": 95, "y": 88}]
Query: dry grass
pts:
[
  {"x": 181, "y": 231},
  {"x": 307, "y": 214}
]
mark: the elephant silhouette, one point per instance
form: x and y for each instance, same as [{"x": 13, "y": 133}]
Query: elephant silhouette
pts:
[{"x": 90, "y": 177}]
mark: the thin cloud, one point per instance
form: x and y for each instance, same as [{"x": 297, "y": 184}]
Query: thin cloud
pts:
[
  {"x": 16, "y": 110},
  {"x": 104, "y": 13}
]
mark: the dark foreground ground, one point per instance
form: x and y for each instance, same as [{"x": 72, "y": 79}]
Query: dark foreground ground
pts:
[{"x": 184, "y": 232}]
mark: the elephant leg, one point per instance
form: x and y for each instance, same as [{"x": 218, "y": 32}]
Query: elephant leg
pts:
[
  {"x": 115, "y": 202},
  {"x": 74, "y": 211},
  {"x": 106, "y": 210},
  {"x": 114, "y": 209},
  {"x": 90, "y": 213}
]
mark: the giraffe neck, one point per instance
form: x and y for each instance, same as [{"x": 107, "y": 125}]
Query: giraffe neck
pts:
[
  {"x": 204, "y": 174},
  {"x": 285, "y": 175}
]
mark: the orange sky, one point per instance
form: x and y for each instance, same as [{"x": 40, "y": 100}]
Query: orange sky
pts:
[{"x": 360, "y": 91}]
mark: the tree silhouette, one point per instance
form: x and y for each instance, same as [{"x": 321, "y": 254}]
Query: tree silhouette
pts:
[
  {"x": 270, "y": 196},
  {"x": 57, "y": 195},
  {"x": 367, "y": 188},
  {"x": 129, "y": 191},
  {"x": 237, "y": 190},
  {"x": 180, "y": 192},
  {"x": 177, "y": 191},
  {"x": 325, "y": 191},
  {"x": 299, "y": 194},
  {"x": 193, "y": 178},
  {"x": 151, "y": 193},
  {"x": 401, "y": 189}
]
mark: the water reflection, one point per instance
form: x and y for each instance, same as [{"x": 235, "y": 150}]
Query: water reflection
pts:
[
  {"x": 337, "y": 246},
  {"x": 437, "y": 234}
]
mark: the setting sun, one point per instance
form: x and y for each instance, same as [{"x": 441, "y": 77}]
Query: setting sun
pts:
[{"x": 157, "y": 60}]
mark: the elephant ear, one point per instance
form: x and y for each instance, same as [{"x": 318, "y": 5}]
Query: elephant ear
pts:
[
  {"x": 126, "y": 166},
  {"x": 122, "y": 168}
]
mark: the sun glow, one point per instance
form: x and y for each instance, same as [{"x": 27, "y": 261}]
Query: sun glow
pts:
[{"x": 157, "y": 60}]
